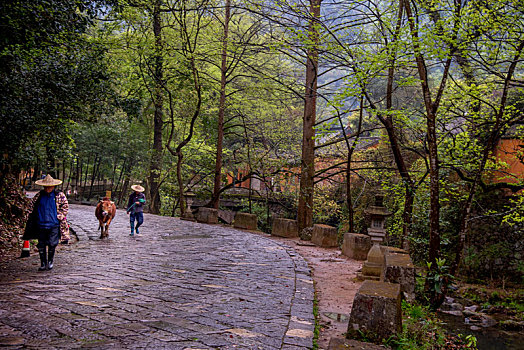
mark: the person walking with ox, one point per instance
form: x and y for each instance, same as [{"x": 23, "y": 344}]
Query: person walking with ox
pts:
[
  {"x": 135, "y": 208},
  {"x": 47, "y": 221}
]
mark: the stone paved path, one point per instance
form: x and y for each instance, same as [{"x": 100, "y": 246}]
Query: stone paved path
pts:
[{"x": 178, "y": 285}]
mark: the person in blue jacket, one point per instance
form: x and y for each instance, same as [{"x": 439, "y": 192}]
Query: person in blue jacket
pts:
[
  {"x": 47, "y": 221},
  {"x": 135, "y": 208}
]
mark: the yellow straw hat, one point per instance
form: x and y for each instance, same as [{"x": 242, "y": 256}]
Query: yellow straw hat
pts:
[
  {"x": 48, "y": 181},
  {"x": 138, "y": 188}
]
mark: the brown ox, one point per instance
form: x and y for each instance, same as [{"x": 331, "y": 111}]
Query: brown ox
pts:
[{"x": 105, "y": 212}]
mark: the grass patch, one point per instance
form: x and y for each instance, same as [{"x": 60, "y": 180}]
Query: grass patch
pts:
[
  {"x": 422, "y": 330},
  {"x": 316, "y": 332}
]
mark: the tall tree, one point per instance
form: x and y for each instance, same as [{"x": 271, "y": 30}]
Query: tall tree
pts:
[
  {"x": 158, "y": 120},
  {"x": 221, "y": 108},
  {"x": 307, "y": 165}
]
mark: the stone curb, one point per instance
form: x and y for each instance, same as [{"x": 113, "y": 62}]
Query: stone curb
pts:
[
  {"x": 78, "y": 231},
  {"x": 300, "y": 330}
]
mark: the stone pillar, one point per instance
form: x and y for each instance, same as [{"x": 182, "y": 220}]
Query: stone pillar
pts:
[
  {"x": 376, "y": 311},
  {"x": 398, "y": 268},
  {"x": 188, "y": 215},
  {"x": 245, "y": 221},
  {"x": 284, "y": 228},
  {"x": 325, "y": 236},
  {"x": 373, "y": 266},
  {"x": 356, "y": 245},
  {"x": 207, "y": 215}
]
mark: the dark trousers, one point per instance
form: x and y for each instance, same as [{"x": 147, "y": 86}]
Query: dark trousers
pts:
[
  {"x": 139, "y": 219},
  {"x": 48, "y": 237}
]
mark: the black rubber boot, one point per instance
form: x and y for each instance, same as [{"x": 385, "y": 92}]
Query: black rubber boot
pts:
[
  {"x": 50, "y": 257},
  {"x": 43, "y": 259}
]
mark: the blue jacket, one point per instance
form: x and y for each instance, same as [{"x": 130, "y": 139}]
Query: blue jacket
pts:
[{"x": 47, "y": 214}]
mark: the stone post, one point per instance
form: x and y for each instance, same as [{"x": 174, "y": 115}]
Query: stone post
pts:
[
  {"x": 325, "y": 236},
  {"x": 245, "y": 221},
  {"x": 188, "y": 215},
  {"x": 207, "y": 215},
  {"x": 372, "y": 268},
  {"x": 356, "y": 245},
  {"x": 398, "y": 268},
  {"x": 376, "y": 311},
  {"x": 284, "y": 228}
]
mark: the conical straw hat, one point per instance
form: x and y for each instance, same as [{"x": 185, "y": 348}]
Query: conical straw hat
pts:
[{"x": 48, "y": 181}]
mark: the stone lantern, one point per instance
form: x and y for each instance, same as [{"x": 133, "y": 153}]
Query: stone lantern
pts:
[
  {"x": 372, "y": 267},
  {"x": 378, "y": 214}
]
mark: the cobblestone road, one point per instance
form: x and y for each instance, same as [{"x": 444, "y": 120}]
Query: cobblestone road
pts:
[{"x": 178, "y": 285}]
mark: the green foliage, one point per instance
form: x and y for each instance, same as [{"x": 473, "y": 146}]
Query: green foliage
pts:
[
  {"x": 72, "y": 88},
  {"x": 492, "y": 253},
  {"x": 420, "y": 329},
  {"x": 437, "y": 281},
  {"x": 316, "y": 332},
  {"x": 471, "y": 341},
  {"x": 50, "y": 74},
  {"x": 325, "y": 208},
  {"x": 261, "y": 211},
  {"x": 515, "y": 211}
]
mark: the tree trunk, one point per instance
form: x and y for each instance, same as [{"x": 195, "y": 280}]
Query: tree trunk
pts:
[
  {"x": 123, "y": 191},
  {"x": 93, "y": 177},
  {"x": 70, "y": 176},
  {"x": 221, "y": 110},
  {"x": 349, "y": 202},
  {"x": 181, "y": 199},
  {"x": 307, "y": 166},
  {"x": 156, "y": 158},
  {"x": 77, "y": 177},
  {"x": 63, "y": 175},
  {"x": 113, "y": 176},
  {"x": 120, "y": 178},
  {"x": 434, "y": 188},
  {"x": 351, "y": 149},
  {"x": 431, "y": 108},
  {"x": 173, "y": 210},
  {"x": 409, "y": 187},
  {"x": 189, "y": 52},
  {"x": 84, "y": 184}
]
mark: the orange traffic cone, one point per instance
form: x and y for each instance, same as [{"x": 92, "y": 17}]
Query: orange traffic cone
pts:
[{"x": 25, "y": 250}]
